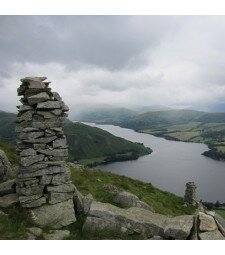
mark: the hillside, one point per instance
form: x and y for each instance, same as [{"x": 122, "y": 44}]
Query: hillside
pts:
[{"x": 88, "y": 145}]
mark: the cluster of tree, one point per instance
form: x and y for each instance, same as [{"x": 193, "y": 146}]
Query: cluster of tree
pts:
[
  {"x": 213, "y": 153},
  {"x": 211, "y": 205}
]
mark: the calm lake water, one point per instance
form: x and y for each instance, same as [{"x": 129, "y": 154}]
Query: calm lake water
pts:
[{"x": 171, "y": 165}]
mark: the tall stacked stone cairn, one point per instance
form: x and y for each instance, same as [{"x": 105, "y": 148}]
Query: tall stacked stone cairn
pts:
[
  {"x": 43, "y": 183},
  {"x": 190, "y": 194}
]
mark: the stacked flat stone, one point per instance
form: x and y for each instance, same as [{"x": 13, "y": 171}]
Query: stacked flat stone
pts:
[
  {"x": 190, "y": 194},
  {"x": 43, "y": 177}
]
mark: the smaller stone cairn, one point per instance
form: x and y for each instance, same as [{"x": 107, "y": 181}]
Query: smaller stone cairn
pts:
[
  {"x": 190, "y": 194},
  {"x": 43, "y": 178}
]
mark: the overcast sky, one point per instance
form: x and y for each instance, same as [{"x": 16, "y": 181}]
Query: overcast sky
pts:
[{"x": 176, "y": 61}]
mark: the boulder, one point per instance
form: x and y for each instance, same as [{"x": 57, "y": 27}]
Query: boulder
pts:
[
  {"x": 8, "y": 200},
  {"x": 87, "y": 201},
  {"x": 35, "y": 231},
  {"x": 55, "y": 216},
  {"x": 57, "y": 235},
  {"x": 212, "y": 235},
  {"x": 95, "y": 226},
  {"x": 179, "y": 227},
  {"x": 78, "y": 201},
  {"x": 3, "y": 214},
  {"x": 8, "y": 187},
  {"x": 156, "y": 238},
  {"x": 220, "y": 223},
  {"x": 6, "y": 169},
  {"x": 127, "y": 200},
  {"x": 132, "y": 220},
  {"x": 206, "y": 222}
]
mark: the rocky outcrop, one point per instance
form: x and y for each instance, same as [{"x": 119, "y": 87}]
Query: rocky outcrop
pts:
[
  {"x": 127, "y": 200},
  {"x": 43, "y": 182},
  {"x": 134, "y": 220},
  {"x": 8, "y": 200},
  {"x": 210, "y": 226},
  {"x": 6, "y": 169},
  {"x": 57, "y": 235}
]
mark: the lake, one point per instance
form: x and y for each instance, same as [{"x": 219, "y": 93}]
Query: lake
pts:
[{"x": 171, "y": 165}]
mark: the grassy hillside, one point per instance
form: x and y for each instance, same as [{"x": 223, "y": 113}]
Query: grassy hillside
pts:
[{"x": 87, "y": 144}]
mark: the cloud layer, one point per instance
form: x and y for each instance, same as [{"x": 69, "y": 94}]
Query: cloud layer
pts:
[{"x": 120, "y": 60}]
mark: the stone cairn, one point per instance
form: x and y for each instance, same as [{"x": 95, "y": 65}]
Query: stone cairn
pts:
[
  {"x": 43, "y": 178},
  {"x": 190, "y": 194}
]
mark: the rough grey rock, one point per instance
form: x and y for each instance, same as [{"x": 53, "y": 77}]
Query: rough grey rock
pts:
[
  {"x": 35, "y": 231},
  {"x": 61, "y": 142},
  {"x": 156, "y": 238},
  {"x": 56, "y": 96},
  {"x": 40, "y": 97},
  {"x": 49, "y": 105},
  {"x": 78, "y": 201},
  {"x": 26, "y": 116},
  {"x": 30, "y": 79},
  {"x": 67, "y": 187},
  {"x": 58, "y": 179},
  {"x": 126, "y": 200},
  {"x": 30, "y": 190},
  {"x": 23, "y": 108},
  {"x": 46, "y": 179},
  {"x": 56, "y": 112},
  {"x": 6, "y": 169},
  {"x": 8, "y": 200},
  {"x": 46, "y": 115},
  {"x": 7, "y": 187},
  {"x": 55, "y": 197},
  {"x": 57, "y": 235},
  {"x": 206, "y": 222},
  {"x": 56, "y": 216},
  {"x": 45, "y": 171},
  {"x": 27, "y": 161},
  {"x": 212, "y": 235},
  {"x": 95, "y": 225},
  {"x": 55, "y": 152},
  {"x": 36, "y": 203},
  {"x": 220, "y": 223},
  {"x": 30, "y": 135},
  {"x": 28, "y": 152},
  {"x": 87, "y": 201},
  {"x": 132, "y": 220},
  {"x": 179, "y": 227},
  {"x": 28, "y": 199}
]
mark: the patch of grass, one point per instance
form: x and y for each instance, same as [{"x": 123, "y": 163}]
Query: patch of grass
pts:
[
  {"x": 221, "y": 213},
  {"x": 93, "y": 181},
  {"x": 10, "y": 151},
  {"x": 13, "y": 226}
]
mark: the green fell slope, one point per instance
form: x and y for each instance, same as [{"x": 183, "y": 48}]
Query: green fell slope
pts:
[{"x": 88, "y": 145}]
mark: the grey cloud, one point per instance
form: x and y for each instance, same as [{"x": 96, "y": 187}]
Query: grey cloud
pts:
[{"x": 144, "y": 60}]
